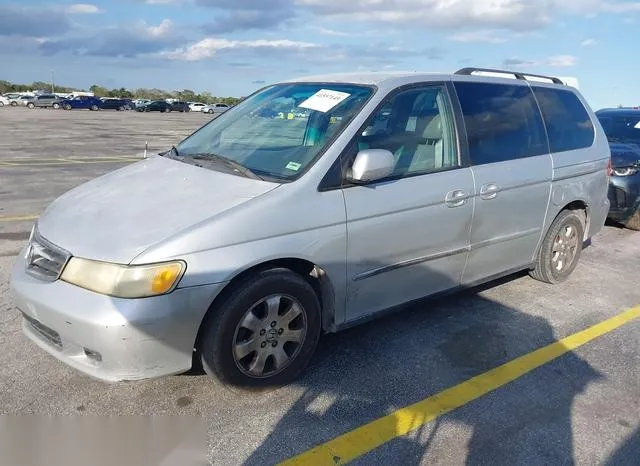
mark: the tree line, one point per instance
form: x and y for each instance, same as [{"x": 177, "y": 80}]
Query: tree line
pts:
[{"x": 100, "y": 91}]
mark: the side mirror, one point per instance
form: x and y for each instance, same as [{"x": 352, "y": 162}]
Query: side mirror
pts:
[{"x": 371, "y": 165}]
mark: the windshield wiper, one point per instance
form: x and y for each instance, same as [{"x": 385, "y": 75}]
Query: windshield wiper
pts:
[{"x": 215, "y": 158}]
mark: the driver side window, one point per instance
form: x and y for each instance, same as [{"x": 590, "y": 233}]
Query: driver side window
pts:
[{"x": 416, "y": 126}]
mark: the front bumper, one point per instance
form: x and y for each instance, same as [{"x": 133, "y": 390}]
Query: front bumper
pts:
[
  {"x": 624, "y": 196},
  {"x": 108, "y": 338}
]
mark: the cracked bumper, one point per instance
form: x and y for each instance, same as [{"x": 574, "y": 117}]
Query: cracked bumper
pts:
[{"x": 111, "y": 339}]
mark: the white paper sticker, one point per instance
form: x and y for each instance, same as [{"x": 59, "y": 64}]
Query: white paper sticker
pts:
[
  {"x": 637, "y": 126},
  {"x": 295, "y": 166},
  {"x": 324, "y": 100}
]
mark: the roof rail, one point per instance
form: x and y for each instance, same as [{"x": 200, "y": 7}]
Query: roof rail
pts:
[{"x": 522, "y": 76}]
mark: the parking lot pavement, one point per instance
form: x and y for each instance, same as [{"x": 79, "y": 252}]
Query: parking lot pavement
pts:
[{"x": 580, "y": 408}]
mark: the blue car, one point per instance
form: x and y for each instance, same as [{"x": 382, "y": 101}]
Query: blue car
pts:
[
  {"x": 92, "y": 103},
  {"x": 622, "y": 127}
]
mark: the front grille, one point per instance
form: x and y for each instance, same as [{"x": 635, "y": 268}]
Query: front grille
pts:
[
  {"x": 45, "y": 260},
  {"x": 45, "y": 332}
]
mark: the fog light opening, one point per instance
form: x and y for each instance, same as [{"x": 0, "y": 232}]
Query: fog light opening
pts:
[{"x": 94, "y": 355}]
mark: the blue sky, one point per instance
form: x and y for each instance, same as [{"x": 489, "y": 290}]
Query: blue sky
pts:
[{"x": 231, "y": 47}]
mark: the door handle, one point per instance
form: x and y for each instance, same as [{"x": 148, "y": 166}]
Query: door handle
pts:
[
  {"x": 489, "y": 191},
  {"x": 456, "y": 198}
]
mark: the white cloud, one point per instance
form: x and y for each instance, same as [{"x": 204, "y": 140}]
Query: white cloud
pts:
[
  {"x": 160, "y": 30},
  {"x": 515, "y": 15},
  {"x": 487, "y": 36},
  {"x": 207, "y": 48},
  {"x": 555, "y": 61},
  {"x": 82, "y": 9},
  {"x": 330, "y": 32},
  {"x": 589, "y": 43}
]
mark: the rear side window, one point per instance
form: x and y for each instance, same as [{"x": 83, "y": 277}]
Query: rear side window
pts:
[
  {"x": 568, "y": 124},
  {"x": 502, "y": 122}
]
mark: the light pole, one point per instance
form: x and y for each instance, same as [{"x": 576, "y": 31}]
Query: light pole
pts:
[{"x": 53, "y": 88}]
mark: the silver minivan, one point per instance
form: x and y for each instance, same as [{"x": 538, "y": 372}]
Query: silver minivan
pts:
[{"x": 310, "y": 207}]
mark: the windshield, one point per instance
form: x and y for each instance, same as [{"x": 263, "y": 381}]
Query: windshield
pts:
[
  {"x": 622, "y": 129},
  {"x": 279, "y": 131}
]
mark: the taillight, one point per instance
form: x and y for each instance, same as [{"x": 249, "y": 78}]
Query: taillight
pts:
[{"x": 609, "y": 169}]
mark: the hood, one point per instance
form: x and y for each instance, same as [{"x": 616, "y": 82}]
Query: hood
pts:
[
  {"x": 117, "y": 216},
  {"x": 624, "y": 155}
]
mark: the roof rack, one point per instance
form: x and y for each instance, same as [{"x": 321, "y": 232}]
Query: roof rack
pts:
[{"x": 522, "y": 76}]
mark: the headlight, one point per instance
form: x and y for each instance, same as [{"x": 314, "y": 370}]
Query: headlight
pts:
[
  {"x": 626, "y": 171},
  {"x": 123, "y": 281}
]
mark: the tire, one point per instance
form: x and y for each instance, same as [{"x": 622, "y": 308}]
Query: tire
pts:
[
  {"x": 30, "y": 105},
  {"x": 56, "y": 106},
  {"x": 120, "y": 109},
  {"x": 634, "y": 222},
  {"x": 14, "y": 104},
  {"x": 565, "y": 237},
  {"x": 1, "y": 104},
  {"x": 210, "y": 112},
  {"x": 94, "y": 108},
  {"x": 221, "y": 333},
  {"x": 67, "y": 107}
]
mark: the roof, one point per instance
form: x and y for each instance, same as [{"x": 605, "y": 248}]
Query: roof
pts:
[
  {"x": 620, "y": 111},
  {"x": 391, "y": 79},
  {"x": 372, "y": 77}
]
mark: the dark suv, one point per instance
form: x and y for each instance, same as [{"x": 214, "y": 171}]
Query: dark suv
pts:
[
  {"x": 179, "y": 106},
  {"x": 115, "y": 104},
  {"x": 622, "y": 127},
  {"x": 155, "y": 106}
]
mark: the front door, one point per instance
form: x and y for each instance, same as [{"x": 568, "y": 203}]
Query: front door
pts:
[
  {"x": 512, "y": 170},
  {"x": 408, "y": 235}
]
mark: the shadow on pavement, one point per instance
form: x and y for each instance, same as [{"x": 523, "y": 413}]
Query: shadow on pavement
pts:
[{"x": 370, "y": 371}]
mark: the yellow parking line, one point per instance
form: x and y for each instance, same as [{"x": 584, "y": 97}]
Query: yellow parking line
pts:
[
  {"x": 19, "y": 218},
  {"x": 368, "y": 437}
]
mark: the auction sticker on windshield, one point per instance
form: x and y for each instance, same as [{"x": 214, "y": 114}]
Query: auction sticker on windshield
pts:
[{"x": 324, "y": 100}]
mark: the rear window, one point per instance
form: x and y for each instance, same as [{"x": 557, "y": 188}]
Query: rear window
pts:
[
  {"x": 502, "y": 122},
  {"x": 568, "y": 124}
]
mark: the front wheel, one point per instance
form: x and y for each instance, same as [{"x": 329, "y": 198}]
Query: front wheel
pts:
[
  {"x": 263, "y": 332},
  {"x": 67, "y": 107},
  {"x": 14, "y": 104},
  {"x": 560, "y": 251},
  {"x": 56, "y": 106},
  {"x": 210, "y": 112},
  {"x": 30, "y": 105}
]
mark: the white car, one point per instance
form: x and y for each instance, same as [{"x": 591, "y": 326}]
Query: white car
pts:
[
  {"x": 196, "y": 106},
  {"x": 215, "y": 108},
  {"x": 4, "y": 101}
]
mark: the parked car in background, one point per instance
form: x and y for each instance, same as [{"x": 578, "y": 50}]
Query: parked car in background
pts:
[
  {"x": 140, "y": 102},
  {"x": 44, "y": 100},
  {"x": 315, "y": 227},
  {"x": 622, "y": 127},
  {"x": 115, "y": 104},
  {"x": 215, "y": 108},
  {"x": 81, "y": 102},
  {"x": 20, "y": 101},
  {"x": 196, "y": 106},
  {"x": 155, "y": 106},
  {"x": 4, "y": 101},
  {"x": 180, "y": 106}
]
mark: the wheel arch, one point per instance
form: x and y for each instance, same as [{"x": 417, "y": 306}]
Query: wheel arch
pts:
[{"x": 313, "y": 273}]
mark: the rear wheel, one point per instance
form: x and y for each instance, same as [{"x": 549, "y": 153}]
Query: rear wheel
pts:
[
  {"x": 560, "y": 251},
  {"x": 67, "y": 107},
  {"x": 263, "y": 332},
  {"x": 94, "y": 108},
  {"x": 14, "y": 104},
  {"x": 30, "y": 105},
  {"x": 1, "y": 104},
  {"x": 56, "y": 106},
  {"x": 634, "y": 222}
]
